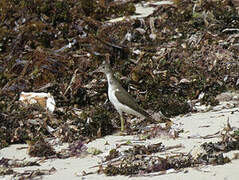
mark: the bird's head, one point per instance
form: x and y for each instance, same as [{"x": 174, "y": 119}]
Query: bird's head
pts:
[{"x": 104, "y": 68}]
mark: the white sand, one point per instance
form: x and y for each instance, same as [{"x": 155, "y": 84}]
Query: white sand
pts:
[{"x": 195, "y": 125}]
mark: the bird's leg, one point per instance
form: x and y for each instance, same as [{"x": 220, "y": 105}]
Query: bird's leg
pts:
[{"x": 122, "y": 123}]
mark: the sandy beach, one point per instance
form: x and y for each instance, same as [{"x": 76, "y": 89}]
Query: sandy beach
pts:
[
  {"x": 172, "y": 56},
  {"x": 195, "y": 125}
]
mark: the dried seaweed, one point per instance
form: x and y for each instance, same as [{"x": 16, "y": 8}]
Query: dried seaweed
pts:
[
  {"x": 34, "y": 174},
  {"x": 40, "y": 148},
  {"x": 7, "y": 165},
  {"x": 77, "y": 148},
  {"x": 181, "y": 52},
  {"x": 142, "y": 160},
  {"x": 12, "y": 163}
]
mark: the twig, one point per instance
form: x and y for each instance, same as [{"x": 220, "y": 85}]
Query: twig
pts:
[
  {"x": 170, "y": 171},
  {"x": 72, "y": 81}
]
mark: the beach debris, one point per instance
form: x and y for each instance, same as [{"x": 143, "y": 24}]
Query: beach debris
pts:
[
  {"x": 154, "y": 47},
  {"x": 184, "y": 81},
  {"x": 113, "y": 153},
  {"x": 188, "y": 40},
  {"x": 162, "y": 130},
  {"x": 137, "y": 160},
  {"x": 13, "y": 163},
  {"x": 228, "y": 96},
  {"x": 44, "y": 100},
  {"x": 40, "y": 148},
  {"x": 5, "y": 171},
  {"x": 77, "y": 149},
  {"x": 208, "y": 136},
  {"x": 142, "y": 160},
  {"x": 170, "y": 171},
  {"x": 7, "y": 165},
  {"x": 34, "y": 174},
  {"x": 94, "y": 151},
  {"x": 153, "y": 34}
]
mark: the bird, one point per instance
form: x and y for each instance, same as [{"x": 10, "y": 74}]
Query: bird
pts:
[{"x": 120, "y": 98}]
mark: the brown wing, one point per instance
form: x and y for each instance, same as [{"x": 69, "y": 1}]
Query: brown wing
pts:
[{"x": 127, "y": 100}]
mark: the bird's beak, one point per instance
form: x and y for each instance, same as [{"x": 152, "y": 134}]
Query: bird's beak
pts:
[
  {"x": 99, "y": 69},
  {"x": 95, "y": 71},
  {"x": 92, "y": 72}
]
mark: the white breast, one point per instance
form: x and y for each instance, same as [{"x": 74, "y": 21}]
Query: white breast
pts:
[
  {"x": 113, "y": 99},
  {"x": 120, "y": 107}
]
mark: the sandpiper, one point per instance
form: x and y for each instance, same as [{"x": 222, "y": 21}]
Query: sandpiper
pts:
[{"x": 120, "y": 98}]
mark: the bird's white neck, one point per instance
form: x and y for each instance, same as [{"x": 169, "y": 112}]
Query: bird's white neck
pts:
[{"x": 110, "y": 78}]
